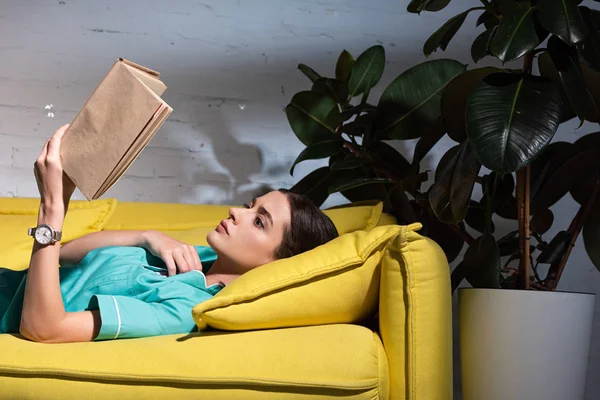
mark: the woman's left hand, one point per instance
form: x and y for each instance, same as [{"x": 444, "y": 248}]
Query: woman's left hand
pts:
[
  {"x": 55, "y": 187},
  {"x": 177, "y": 255}
]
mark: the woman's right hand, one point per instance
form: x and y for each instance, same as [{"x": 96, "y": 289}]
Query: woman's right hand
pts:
[{"x": 178, "y": 256}]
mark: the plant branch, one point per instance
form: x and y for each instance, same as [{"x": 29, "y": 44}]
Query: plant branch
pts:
[
  {"x": 556, "y": 270},
  {"x": 463, "y": 234},
  {"x": 528, "y": 63},
  {"x": 523, "y": 200},
  {"x": 538, "y": 286}
]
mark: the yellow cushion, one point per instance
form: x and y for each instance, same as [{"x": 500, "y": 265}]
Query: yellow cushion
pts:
[
  {"x": 315, "y": 362},
  {"x": 415, "y": 318},
  {"x": 335, "y": 283},
  {"x": 19, "y": 214},
  {"x": 170, "y": 217}
]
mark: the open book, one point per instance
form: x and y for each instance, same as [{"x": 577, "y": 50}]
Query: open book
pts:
[{"x": 113, "y": 127}]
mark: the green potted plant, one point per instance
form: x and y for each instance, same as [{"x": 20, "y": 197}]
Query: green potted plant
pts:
[{"x": 503, "y": 122}]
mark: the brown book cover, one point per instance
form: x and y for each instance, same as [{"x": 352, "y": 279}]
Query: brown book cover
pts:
[{"x": 113, "y": 127}]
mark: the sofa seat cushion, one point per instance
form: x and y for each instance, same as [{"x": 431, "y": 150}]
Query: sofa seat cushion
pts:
[{"x": 328, "y": 361}]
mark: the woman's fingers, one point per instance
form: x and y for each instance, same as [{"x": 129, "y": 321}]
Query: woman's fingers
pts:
[
  {"x": 196, "y": 258},
  {"x": 182, "y": 265},
  {"x": 171, "y": 268},
  {"x": 191, "y": 256},
  {"x": 54, "y": 143}
]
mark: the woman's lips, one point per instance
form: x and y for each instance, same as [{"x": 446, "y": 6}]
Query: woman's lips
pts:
[{"x": 222, "y": 227}]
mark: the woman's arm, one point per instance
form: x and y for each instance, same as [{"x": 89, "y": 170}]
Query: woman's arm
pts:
[
  {"x": 43, "y": 317},
  {"x": 74, "y": 251}
]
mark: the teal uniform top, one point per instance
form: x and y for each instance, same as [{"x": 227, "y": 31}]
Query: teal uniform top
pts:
[{"x": 128, "y": 285}]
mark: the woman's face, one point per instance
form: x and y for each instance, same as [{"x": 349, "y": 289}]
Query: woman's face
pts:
[{"x": 250, "y": 236}]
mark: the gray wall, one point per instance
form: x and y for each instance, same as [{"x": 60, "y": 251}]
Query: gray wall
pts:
[{"x": 231, "y": 68}]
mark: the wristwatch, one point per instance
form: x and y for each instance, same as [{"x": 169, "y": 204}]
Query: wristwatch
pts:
[{"x": 44, "y": 234}]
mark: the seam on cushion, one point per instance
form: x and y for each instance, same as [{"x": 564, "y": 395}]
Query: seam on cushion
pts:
[
  {"x": 105, "y": 212},
  {"x": 281, "y": 284},
  {"x": 411, "y": 316},
  {"x": 375, "y": 210},
  {"x": 380, "y": 382},
  {"x": 166, "y": 379}
]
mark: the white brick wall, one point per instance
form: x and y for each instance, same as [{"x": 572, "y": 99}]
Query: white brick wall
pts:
[{"x": 214, "y": 56}]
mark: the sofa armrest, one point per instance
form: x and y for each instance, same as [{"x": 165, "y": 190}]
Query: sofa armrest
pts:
[{"x": 415, "y": 318}]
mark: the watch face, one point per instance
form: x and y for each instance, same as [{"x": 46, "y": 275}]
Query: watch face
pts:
[{"x": 43, "y": 235}]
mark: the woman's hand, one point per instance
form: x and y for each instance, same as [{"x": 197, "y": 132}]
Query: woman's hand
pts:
[
  {"x": 177, "y": 255},
  {"x": 54, "y": 185}
]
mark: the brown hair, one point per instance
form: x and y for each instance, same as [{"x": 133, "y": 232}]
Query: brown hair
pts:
[{"x": 309, "y": 227}]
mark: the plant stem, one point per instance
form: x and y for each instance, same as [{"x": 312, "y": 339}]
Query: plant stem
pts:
[
  {"x": 463, "y": 234},
  {"x": 528, "y": 63},
  {"x": 523, "y": 177},
  {"x": 555, "y": 271}
]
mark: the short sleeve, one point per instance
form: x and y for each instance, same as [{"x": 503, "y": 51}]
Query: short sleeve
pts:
[{"x": 127, "y": 317}]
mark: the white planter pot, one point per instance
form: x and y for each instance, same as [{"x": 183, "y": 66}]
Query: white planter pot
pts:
[{"x": 524, "y": 345}]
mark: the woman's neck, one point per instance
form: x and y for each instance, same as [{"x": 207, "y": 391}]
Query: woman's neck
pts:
[{"x": 218, "y": 274}]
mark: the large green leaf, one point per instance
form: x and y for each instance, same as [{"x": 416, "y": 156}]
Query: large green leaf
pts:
[
  {"x": 481, "y": 45},
  {"x": 313, "y": 117},
  {"x": 411, "y": 103},
  {"x": 592, "y": 81},
  {"x": 334, "y": 88},
  {"x": 360, "y": 126},
  {"x": 546, "y": 162},
  {"x": 401, "y": 206},
  {"x": 477, "y": 219},
  {"x": 389, "y": 157},
  {"x": 443, "y": 234},
  {"x": 583, "y": 187},
  {"x": 511, "y": 118},
  {"x": 366, "y": 70},
  {"x": 563, "y": 19},
  {"x": 454, "y": 100},
  {"x": 343, "y": 67},
  {"x": 317, "y": 151},
  {"x": 309, "y": 72},
  {"x": 591, "y": 236},
  {"x": 314, "y": 185},
  {"x": 442, "y": 37},
  {"x": 561, "y": 64},
  {"x": 500, "y": 188},
  {"x": 482, "y": 263},
  {"x": 449, "y": 196},
  {"x": 555, "y": 250},
  {"x": 517, "y": 34},
  {"x": 590, "y": 47},
  {"x": 566, "y": 172},
  {"x": 445, "y": 162},
  {"x": 349, "y": 182},
  {"x": 542, "y": 221},
  {"x": 426, "y": 143},
  {"x": 416, "y": 6}
]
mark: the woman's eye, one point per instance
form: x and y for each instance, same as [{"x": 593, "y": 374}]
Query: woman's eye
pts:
[
  {"x": 246, "y": 205},
  {"x": 259, "y": 222}
]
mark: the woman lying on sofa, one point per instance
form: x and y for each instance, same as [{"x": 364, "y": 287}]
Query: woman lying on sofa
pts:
[{"x": 125, "y": 284}]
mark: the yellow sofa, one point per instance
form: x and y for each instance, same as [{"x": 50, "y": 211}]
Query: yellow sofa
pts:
[{"x": 403, "y": 351}]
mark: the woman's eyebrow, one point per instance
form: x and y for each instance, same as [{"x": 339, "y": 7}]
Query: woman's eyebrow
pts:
[{"x": 264, "y": 211}]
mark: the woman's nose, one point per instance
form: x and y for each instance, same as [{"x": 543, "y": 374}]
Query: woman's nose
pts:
[{"x": 233, "y": 213}]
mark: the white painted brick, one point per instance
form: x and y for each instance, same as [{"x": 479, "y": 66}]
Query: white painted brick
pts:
[{"x": 6, "y": 153}]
